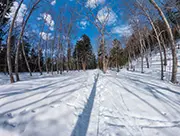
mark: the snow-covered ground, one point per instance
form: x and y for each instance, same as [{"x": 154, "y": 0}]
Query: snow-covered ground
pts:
[
  {"x": 90, "y": 103},
  {"x": 155, "y": 65}
]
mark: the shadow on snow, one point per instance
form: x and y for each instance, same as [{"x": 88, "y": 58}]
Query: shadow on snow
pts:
[{"x": 82, "y": 123}]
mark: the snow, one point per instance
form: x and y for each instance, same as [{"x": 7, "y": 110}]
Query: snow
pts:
[
  {"x": 155, "y": 65},
  {"x": 90, "y": 103}
]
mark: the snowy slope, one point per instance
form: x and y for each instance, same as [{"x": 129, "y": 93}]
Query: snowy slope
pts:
[
  {"x": 155, "y": 65},
  {"x": 90, "y": 103}
]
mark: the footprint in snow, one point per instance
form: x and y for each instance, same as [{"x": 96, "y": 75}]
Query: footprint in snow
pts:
[
  {"x": 164, "y": 113},
  {"x": 11, "y": 124},
  {"x": 10, "y": 115},
  {"x": 33, "y": 111}
]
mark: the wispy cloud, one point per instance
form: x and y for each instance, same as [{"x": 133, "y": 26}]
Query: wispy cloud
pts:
[
  {"x": 45, "y": 36},
  {"x": 21, "y": 12},
  {"x": 48, "y": 19},
  {"x": 124, "y": 30},
  {"x": 83, "y": 24},
  {"x": 94, "y": 3},
  {"x": 107, "y": 15}
]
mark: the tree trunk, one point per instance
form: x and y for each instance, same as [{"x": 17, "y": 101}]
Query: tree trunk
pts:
[
  {"x": 57, "y": 65},
  {"x": 84, "y": 66},
  {"x": 162, "y": 69},
  {"x": 142, "y": 63},
  {"x": 173, "y": 45},
  {"x": 78, "y": 65},
  {"x": 52, "y": 62},
  {"x": 106, "y": 64},
  {"x": 68, "y": 55},
  {"x": 164, "y": 50},
  {"x": 147, "y": 61},
  {"x": 47, "y": 70},
  {"x": 160, "y": 48},
  {"x": 158, "y": 39},
  {"x": 141, "y": 41},
  {"x": 9, "y": 43},
  {"x": 61, "y": 65},
  {"x": 129, "y": 61},
  {"x": 40, "y": 50},
  {"x": 77, "y": 61},
  {"x": 27, "y": 63},
  {"x": 39, "y": 60},
  {"x": 103, "y": 54},
  {"x": 46, "y": 57},
  {"x": 52, "y": 66},
  {"x": 20, "y": 39}
]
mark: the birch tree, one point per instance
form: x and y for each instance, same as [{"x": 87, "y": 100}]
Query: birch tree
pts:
[
  {"x": 173, "y": 45},
  {"x": 9, "y": 42},
  {"x": 20, "y": 40}
]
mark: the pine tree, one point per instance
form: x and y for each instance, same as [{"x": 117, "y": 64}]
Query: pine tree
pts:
[
  {"x": 92, "y": 64},
  {"x": 83, "y": 52},
  {"x": 115, "y": 54}
]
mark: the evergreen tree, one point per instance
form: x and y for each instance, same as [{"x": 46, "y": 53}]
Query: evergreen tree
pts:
[
  {"x": 83, "y": 53},
  {"x": 92, "y": 64},
  {"x": 115, "y": 54},
  {"x": 100, "y": 55}
]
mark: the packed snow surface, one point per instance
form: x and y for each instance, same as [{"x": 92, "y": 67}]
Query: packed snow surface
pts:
[{"x": 90, "y": 104}]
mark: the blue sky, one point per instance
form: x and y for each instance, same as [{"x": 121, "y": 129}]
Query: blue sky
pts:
[{"x": 117, "y": 22}]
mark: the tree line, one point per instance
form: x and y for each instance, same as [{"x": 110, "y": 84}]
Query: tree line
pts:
[{"x": 154, "y": 26}]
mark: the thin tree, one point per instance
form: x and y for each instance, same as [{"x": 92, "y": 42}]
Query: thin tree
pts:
[
  {"x": 20, "y": 40},
  {"x": 145, "y": 11},
  {"x": 9, "y": 42},
  {"x": 173, "y": 45}
]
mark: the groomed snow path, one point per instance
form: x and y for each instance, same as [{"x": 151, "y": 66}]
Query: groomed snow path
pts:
[{"x": 90, "y": 104}]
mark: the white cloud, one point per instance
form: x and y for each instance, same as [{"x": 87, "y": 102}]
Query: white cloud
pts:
[
  {"x": 21, "y": 12},
  {"x": 107, "y": 15},
  {"x": 83, "y": 24},
  {"x": 94, "y": 3},
  {"x": 39, "y": 18},
  {"x": 53, "y": 2},
  {"x": 45, "y": 36},
  {"x": 124, "y": 30},
  {"x": 48, "y": 19}
]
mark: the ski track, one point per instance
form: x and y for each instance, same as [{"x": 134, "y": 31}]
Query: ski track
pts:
[{"x": 90, "y": 103}]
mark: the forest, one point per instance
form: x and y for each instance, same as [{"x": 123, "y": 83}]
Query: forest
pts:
[
  {"x": 89, "y": 67},
  {"x": 23, "y": 50}
]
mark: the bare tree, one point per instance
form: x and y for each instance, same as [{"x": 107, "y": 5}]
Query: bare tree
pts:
[
  {"x": 6, "y": 7},
  {"x": 173, "y": 45},
  {"x": 69, "y": 26},
  {"x": 20, "y": 39},
  {"x": 39, "y": 44},
  {"x": 9, "y": 43},
  {"x": 52, "y": 53},
  {"x": 100, "y": 24},
  {"x": 145, "y": 11}
]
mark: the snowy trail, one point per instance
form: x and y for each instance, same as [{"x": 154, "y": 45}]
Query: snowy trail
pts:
[
  {"x": 146, "y": 108},
  {"x": 90, "y": 103}
]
